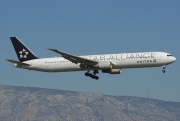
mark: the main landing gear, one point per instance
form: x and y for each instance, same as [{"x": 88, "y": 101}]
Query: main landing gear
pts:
[
  {"x": 93, "y": 76},
  {"x": 164, "y": 67}
]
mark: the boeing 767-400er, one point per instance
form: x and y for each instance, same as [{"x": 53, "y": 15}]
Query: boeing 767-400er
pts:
[{"x": 107, "y": 63}]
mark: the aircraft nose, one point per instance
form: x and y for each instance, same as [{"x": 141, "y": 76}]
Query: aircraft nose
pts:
[{"x": 173, "y": 59}]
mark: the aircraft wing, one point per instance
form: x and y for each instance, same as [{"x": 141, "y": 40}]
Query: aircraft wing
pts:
[
  {"x": 18, "y": 63},
  {"x": 75, "y": 59}
]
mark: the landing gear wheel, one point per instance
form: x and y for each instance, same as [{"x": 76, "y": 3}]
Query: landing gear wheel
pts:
[
  {"x": 87, "y": 74},
  {"x": 96, "y": 77},
  {"x": 164, "y": 67},
  {"x": 93, "y": 76}
]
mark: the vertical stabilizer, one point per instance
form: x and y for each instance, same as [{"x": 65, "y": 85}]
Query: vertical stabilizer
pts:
[{"x": 23, "y": 53}]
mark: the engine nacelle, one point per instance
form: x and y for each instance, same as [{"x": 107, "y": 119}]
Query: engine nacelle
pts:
[
  {"x": 106, "y": 67},
  {"x": 112, "y": 71},
  {"x": 103, "y": 65}
]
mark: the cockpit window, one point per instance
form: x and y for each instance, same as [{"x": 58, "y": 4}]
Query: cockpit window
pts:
[{"x": 169, "y": 55}]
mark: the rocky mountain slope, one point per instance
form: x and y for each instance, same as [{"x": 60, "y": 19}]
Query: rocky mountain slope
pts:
[{"x": 37, "y": 104}]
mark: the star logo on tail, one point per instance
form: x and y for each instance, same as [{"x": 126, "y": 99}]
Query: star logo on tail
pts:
[{"x": 23, "y": 53}]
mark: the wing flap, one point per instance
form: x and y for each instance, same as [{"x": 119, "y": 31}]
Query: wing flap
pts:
[{"x": 75, "y": 59}]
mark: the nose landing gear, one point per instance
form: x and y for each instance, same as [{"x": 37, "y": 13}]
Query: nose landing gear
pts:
[
  {"x": 93, "y": 76},
  {"x": 164, "y": 67}
]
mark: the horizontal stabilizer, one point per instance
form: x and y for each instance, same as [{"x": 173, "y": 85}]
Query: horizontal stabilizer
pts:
[{"x": 18, "y": 63}]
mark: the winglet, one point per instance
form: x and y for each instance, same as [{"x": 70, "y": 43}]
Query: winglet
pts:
[{"x": 55, "y": 50}]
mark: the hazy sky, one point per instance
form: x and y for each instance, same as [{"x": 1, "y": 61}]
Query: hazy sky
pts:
[{"x": 93, "y": 27}]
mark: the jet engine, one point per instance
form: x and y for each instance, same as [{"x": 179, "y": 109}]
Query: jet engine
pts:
[
  {"x": 112, "y": 71},
  {"x": 106, "y": 67},
  {"x": 103, "y": 65}
]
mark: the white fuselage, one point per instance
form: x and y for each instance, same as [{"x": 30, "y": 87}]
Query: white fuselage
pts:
[{"x": 120, "y": 61}]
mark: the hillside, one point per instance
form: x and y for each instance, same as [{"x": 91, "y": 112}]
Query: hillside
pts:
[{"x": 38, "y": 104}]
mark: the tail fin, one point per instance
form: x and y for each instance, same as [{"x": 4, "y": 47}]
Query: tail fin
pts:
[{"x": 23, "y": 53}]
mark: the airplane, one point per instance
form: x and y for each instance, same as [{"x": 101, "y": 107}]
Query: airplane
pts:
[{"x": 107, "y": 63}]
